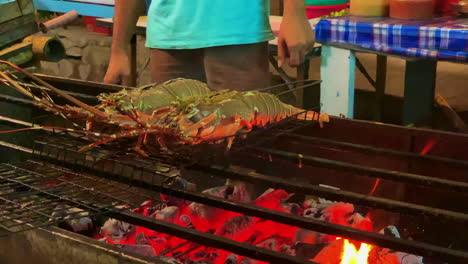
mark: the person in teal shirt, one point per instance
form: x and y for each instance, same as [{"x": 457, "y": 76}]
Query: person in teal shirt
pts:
[{"x": 221, "y": 42}]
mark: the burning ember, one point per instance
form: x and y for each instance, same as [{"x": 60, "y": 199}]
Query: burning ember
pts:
[
  {"x": 352, "y": 256},
  {"x": 342, "y": 251},
  {"x": 321, "y": 248}
]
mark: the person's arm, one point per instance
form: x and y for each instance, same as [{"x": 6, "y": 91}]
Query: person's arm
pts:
[
  {"x": 296, "y": 37},
  {"x": 126, "y": 14}
]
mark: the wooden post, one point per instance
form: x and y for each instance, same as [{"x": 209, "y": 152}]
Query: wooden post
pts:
[
  {"x": 337, "y": 73},
  {"x": 420, "y": 79},
  {"x": 381, "y": 78},
  {"x": 133, "y": 61}
]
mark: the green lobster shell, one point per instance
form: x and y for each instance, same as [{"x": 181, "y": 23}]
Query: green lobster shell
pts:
[{"x": 149, "y": 98}]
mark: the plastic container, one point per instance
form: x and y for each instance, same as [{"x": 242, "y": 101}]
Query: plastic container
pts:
[
  {"x": 412, "y": 9},
  {"x": 325, "y": 2},
  {"x": 91, "y": 26},
  {"x": 371, "y": 8},
  {"x": 319, "y": 11},
  {"x": 445, "y": 7}
]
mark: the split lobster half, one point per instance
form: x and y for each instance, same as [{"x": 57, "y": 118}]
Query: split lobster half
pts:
[{"x": 180, "y": 111}]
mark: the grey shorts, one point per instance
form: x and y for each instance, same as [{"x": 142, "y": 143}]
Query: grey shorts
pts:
[{"x": 236, "y": 67}]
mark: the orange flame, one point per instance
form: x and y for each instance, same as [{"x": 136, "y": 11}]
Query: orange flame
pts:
[{"x": 352, "y": 256}]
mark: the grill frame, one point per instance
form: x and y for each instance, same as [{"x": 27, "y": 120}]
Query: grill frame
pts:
[
  {"x": 259, "y": 178},
  {"x": 413, "y": 247}
]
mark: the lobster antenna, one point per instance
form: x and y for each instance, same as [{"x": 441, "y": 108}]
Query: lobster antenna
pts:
[
  {"x": 18, "y": 87},
  {"x": 300, "y": 87},
  {"x": 284, "y": 84},
  {"x": 58, "y": 91}
]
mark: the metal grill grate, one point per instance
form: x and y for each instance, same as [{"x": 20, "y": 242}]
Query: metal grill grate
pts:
[
  {"x": 47, "y": 195},
  {"x": 154, "y": 172},
  {"x": 144, "y": 172}
]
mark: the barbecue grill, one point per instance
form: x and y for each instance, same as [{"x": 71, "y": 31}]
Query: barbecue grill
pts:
[{"x": 412, "y": 178}]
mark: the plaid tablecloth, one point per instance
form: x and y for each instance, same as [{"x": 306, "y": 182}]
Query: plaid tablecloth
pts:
[{"x": 443, "y": 38}]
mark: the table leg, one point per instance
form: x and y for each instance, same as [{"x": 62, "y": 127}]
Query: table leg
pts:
[
  {"x": 420, "y": 82},
  {"x": 133, "y": 61},
  {"x": 337, "y": 73},
  {"x": 381, "y": 78}
]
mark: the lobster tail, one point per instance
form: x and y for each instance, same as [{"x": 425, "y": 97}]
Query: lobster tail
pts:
[{"x": 270, "y": 108}]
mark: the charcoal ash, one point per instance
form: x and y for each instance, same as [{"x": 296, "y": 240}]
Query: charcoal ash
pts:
[
  {"x": 103, "y": 239},
  {"x": 169, "y": 260},
  {"x": 279, "y": 194},
  {"x": 308, "y": 236},
  {"x": 181, "y": 184},
  {"x": 211, "y": 255},
  {"x": 287, "y": 249},
  {"x": 238, "y": 192},
  {"x": 308, "y": 251},
  {"x": 270, "y": 244},
  {"x": 406, "y": 258},
  {"x": 189, "y": 261},
  {"x": 390, "y": 231},
  {"x": 232, "y": 259},
  {"x": 204, "y": 216},
  {"x": 292, "y": 208},
  {"x": 248, "y": 261},
  {"x": 74, "y": 219},
  {"x": 142, "y": 239},
  {"x": 168, "y": 214},
  {"x": 117, "y": 230},
  {"x": 403, "y": 258},
  {"x": 236, "y": 225},
  {"x": 148, "y": 208},
  {"x": 144, "y": 250}
]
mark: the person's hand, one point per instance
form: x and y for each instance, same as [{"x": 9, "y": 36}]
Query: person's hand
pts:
[
  {"x": 295, "y": 39},
  {"x": 118, "y": 71}
]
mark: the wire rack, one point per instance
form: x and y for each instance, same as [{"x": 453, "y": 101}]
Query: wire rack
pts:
[
  {"x": 65, "y": 145},
  {"x": 34, "y": 195}
]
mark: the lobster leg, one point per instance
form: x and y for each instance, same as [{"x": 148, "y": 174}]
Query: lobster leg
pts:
[
  {"x": 146, "y": 139},
  {"x": 230, "y": 140},
  {"x": 89, "y": 125},
  {"x": 138, "y": 148},
  {"x": 205, "y": 121},
  {"x": 163, "y": 145},
  {"x": 133, "y": 133},
  {"x": 314, "y": 116}
]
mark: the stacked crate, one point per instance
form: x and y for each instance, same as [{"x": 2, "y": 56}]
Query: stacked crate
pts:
[{"x": 17, "y": 21}]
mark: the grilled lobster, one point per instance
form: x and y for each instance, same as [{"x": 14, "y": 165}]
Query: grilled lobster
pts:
[{"x": 180, "y": 111}]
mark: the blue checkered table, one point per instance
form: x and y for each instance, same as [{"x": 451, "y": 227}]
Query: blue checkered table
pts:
[{"x": 420, "y": 43}]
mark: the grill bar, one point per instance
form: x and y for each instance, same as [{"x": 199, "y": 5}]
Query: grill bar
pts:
[
  {"x": 380, "y": 151},
  {"x": 372, "y": 172}
]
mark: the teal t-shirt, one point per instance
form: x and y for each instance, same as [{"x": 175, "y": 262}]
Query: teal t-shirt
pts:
[{"x": 192, "y": 24}]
